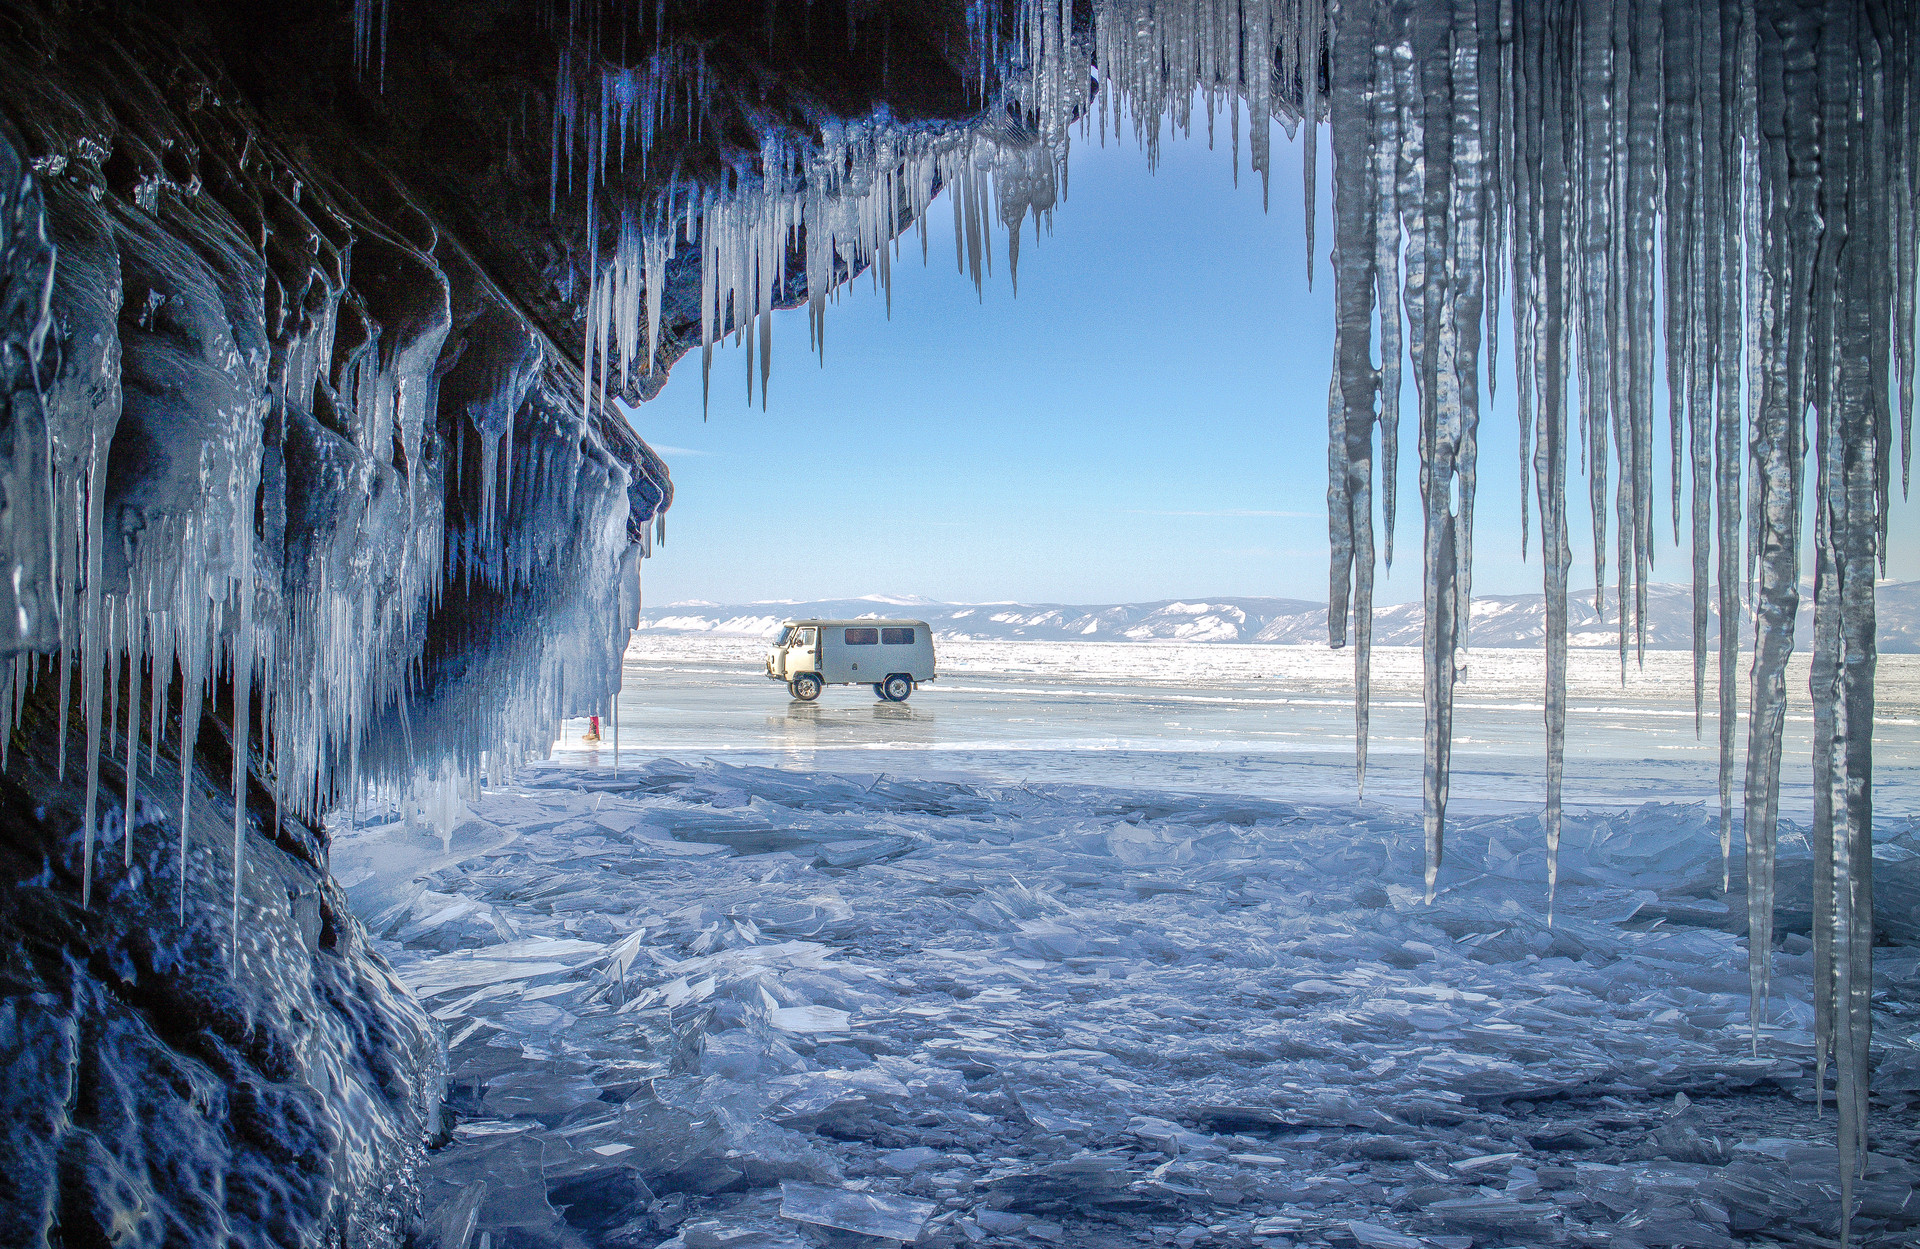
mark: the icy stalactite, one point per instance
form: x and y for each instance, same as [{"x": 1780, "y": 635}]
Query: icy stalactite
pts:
[
  {"x": 842, "y": 198},
  {"x": 215, "y": 565},
  {"x": 1850, "y": 349},
  {"x": 194, "y": 673},
  {"x": 1356, "y": 387},
  {"x": 92, "y": 656},
  {"x": 370, "y": 36},
  {"x": 242, "y": 670},
  {"x": 1542, "y": 242},
  {"x": 1728, "y": 292},
  {"x": 134, "y": 650}
]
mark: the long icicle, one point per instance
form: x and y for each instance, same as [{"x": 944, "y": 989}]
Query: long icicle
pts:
[
  {"x": 1355, "y": 385},
  {"x": 134, "y": 647},
  {"x": 93, "y": 657},
  {"x": 242, "y": 703}
]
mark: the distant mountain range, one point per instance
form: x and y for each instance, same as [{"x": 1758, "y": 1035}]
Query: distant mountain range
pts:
[{"x": 1500, "y": 620}]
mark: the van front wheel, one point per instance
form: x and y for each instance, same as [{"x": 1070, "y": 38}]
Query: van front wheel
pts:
[
  {"x": 896, "y": 688},
  {"x": 805, "y": 687}
]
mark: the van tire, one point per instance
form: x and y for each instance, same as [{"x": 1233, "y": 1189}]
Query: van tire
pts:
[
  {"x": 805, "y": 687},
  {"x": 896, "y": 688}
]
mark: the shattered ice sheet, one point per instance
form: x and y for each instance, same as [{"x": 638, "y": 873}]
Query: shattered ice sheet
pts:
[{"x": 702, "y": 1005}]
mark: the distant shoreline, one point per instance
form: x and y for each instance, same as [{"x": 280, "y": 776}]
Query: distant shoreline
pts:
[{"x": 1499, "y": 622}]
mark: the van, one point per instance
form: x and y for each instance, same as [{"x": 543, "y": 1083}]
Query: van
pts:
[{"x": 893, "y": 656}]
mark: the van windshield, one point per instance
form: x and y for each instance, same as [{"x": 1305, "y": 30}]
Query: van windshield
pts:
[{"x": 785, "y": 633}]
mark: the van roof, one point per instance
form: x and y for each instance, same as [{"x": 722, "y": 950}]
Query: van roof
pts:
[{"x": 867, "y": 622}]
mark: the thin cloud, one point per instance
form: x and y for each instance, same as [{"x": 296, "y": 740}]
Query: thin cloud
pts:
[{"x": 663, "y": 449}]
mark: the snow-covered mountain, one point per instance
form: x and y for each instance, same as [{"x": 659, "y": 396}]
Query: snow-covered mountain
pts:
[
  {"x": 1498, "y": 620},
  {"x": 1214, "y": 620}
]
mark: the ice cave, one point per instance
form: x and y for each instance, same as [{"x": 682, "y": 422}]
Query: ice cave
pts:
[{"x": 321, "y": 324}]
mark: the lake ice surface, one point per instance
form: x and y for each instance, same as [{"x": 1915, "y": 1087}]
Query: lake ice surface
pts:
[
  {"x": 1257, "y": 720},
  {"x": 1091, "y": 945}
]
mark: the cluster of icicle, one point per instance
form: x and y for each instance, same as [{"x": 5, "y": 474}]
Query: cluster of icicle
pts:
[
  {"x": 1728, "y": 184},
  {"x": 841, "y": 202},
  {"x": 851, "y": 193},
  {"x": 323, "y": 674},
  {"x": 1732, "y": 184},
  {"x": 840, "y": 206},
  {"x": 322, "y": 668}
]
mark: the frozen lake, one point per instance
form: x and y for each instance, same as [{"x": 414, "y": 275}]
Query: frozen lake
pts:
[
  {"x": 1089, "y": 946},
  {"x": 1272, "y": 721}
]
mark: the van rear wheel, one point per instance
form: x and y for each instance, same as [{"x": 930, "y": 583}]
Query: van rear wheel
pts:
[
  {"x": 805, "y": 687},
  {"x": 896, "y": 688}
]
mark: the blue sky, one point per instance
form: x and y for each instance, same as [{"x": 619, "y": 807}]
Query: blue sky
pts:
[{"x": 1145, "y": 420}]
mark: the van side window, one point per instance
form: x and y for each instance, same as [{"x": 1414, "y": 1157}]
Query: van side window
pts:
[
  {"x": 801, "y": 637},
  {"x": 863, "y": 637},
  {"x": 896, "y": 637}
]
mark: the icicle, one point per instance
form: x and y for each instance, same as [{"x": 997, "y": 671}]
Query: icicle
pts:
[
  {"x": 133, "y": 723},
  {"x": 1638, "y": 214},
  {"x": 111, "y": 658},
  {"x": 242, "y": 699},
  {"x": 1355, "y": 385},
  {"x": 1310, "y": 136},
  {"x": 1777, "y": 438},
  {"x": 160, "y": 682},
  {"x": 1386, "y": 232},
  {"x": 193, "y": 657},
  {"x": 92, "y": 656}
]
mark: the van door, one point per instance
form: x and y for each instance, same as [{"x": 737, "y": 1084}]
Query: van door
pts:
[{"x": 803, "y": 651}]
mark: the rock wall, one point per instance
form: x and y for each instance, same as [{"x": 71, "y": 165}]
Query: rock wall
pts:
[
  {"x": 283, "y": 465},
  {"x": 164, "y": 1080}
]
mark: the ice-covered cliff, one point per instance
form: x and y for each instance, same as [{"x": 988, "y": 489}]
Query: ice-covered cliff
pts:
[{"x": 297, "y": 498}]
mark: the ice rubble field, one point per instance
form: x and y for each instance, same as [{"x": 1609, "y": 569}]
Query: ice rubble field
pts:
[{"x": 698, "y": 1004}]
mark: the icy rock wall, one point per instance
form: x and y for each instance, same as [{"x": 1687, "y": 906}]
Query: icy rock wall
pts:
[
  {"x": 297, "y": 501},
  {"x": 238, "y": 364},
  {"x": 171, "y": 1081}
]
